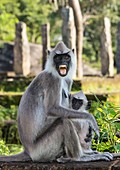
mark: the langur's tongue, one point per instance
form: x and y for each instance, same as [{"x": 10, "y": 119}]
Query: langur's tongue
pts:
[{"x": 63, "y": 70}]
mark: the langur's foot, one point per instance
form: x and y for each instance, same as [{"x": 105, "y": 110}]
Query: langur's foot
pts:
[
  {"x": 108, "y": 154},
  {"x": 63, "y": 159}
]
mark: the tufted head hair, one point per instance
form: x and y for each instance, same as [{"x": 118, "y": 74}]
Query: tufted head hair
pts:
[
  {"x": 80, "y": 95},
  {"x": 61, "y": 48}
]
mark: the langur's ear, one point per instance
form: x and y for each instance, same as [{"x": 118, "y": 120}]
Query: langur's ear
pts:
[
  {"x": 88, "y": 105},
  {"x": 48, "y": 52},
  {"x": 73, "y": 50}
]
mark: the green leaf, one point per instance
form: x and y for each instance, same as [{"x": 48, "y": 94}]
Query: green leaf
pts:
[
  {"x": 117, "y": 147},
  {"x": 100, "y": 109},
  {"x": 117, "y": 125},
  {"x": 3, "y": 148}
]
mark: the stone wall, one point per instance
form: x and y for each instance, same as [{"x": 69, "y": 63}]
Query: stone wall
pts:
[
  {"x": 7, "y": 58},
  {"x": 36, "y": 58}
]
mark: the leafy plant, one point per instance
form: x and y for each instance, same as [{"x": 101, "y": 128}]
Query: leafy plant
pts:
[
  {"x": 3, "y": 148},
  {"x": 34, "y": 14},
  {"x": 8, "y": 9},
  {"x": 8, "y": 113},
  {"x": 15, "y": 148},
  {"x": 8, "y": 126},
  {"x": 108, "y": 118}
]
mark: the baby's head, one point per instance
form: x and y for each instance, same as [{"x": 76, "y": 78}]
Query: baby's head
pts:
[{"x": 78, "y": 101}]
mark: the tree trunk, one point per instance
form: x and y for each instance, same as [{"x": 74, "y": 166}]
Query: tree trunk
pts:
[
  {"x": 79, "y": 34},
  {"x": 68, "y": 27},
  {"x": 45, "y": 42},
  {"x": 118, "y": 50},
  {"x": 107, "y": 58}
]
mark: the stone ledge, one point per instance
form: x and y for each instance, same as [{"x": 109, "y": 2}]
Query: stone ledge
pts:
[{"x": 99, "y": 165}]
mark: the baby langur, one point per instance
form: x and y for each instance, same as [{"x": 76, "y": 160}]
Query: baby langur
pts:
[
  {"x": 83, "y": 129},
  {"x": 78, "y": 101},
  {"x": 83, "y": 132}
]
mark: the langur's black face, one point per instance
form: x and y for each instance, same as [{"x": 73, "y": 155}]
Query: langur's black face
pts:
[
  {"x": 77, "y": 103},
  {"x": 62, "y": 63}
]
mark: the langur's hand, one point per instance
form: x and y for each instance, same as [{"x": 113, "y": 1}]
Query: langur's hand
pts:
[
  {"x": 96, "y": 137},
  {"x": 94, "y": 126}
]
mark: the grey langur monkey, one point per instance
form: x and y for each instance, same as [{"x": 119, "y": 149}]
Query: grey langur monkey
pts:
[{"x": 44, "y": 107}]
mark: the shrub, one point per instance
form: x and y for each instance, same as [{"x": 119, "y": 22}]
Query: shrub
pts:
[
  {"x": 3, "y": 148},
  {"x": 108, "y": 118}
]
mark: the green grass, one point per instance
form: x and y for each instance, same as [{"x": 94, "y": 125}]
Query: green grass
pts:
[{"x": 100, "y": 84}]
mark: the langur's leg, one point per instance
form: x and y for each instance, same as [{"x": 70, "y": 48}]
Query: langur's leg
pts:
[
  {"x": 86, "y": 135},
  {"x": 71, "y": 141},
  {"x": 49, "y": 146},
  {"x": 74, "y": 150}
]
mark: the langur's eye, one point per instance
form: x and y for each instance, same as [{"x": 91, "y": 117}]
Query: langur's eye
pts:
[
  {"x": 57, "y": 57},
  {"x": 66, "y": 57},
  {"x": 80, "y": 101}
]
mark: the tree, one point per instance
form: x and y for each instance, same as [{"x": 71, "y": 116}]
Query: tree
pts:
[
  {"x": 8, "y": 19},
  {"x": 34, "y": 14},
  {"x": 118, "y": 50},
  {"x": 107, "y": 60},
  {"x": 68, "y": 27},
  {"x": 79, "y": 34}
]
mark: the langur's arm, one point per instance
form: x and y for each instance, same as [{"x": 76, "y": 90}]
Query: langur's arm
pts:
[{"x": 60, "y": 111}]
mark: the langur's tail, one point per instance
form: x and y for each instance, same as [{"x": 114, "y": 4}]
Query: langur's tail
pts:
[{"x": 15, "y": 158}]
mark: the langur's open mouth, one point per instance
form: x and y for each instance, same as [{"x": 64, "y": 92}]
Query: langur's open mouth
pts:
[{"x": 63, "y": 69}]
